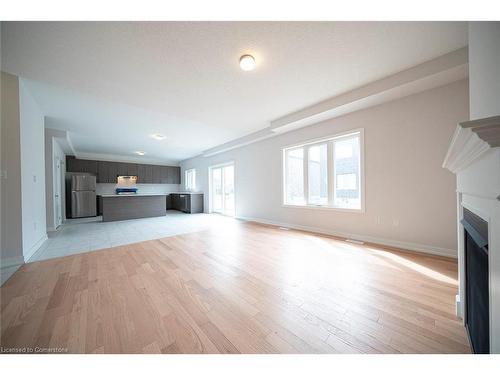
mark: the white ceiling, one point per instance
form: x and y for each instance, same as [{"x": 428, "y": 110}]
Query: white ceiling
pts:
[{"x": 111, "y": 84}]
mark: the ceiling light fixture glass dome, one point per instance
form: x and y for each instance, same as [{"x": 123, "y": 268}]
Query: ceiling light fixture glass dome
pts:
[{"x": 247, "y": 63}]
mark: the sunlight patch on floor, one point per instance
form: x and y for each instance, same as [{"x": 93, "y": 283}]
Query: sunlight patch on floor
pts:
[{"x": 416, "y": 267}]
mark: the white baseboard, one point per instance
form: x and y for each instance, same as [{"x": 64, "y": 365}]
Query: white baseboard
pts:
[
  {"x": 427, "y": 249},
  {"x": 458, "y": 306},
  {"x": 11, "y": 262},
  {"x": 35, "y": 248},
  {"x": 7, "y": 272}
]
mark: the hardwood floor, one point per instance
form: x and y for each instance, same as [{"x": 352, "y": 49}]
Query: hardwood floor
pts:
[{"x": 242, "y": 288}]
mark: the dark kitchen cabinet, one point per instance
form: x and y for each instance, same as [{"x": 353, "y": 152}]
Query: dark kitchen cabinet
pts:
[
  {"x": 174, "y": 175},
  {"x": 144, "y": 174},
  {"x": 81, "y": 165},
  {"x": 164, "y": 174},
  {"x": 71, "y": 164},
  {"x": 179, "y": 202},
  {"x": 132, "y": 169},
  {"x": 122, "y": 169},
  {"x": 102, "y": 172},
  {"x": 156, "y": 174},
  {"x": 112, "y": 171},
  {"x": 149, "y": 174},
  {"x": 107, "y": 171},
  {"x": 141, "y": 174},
  {"x": 188, "y": 203}
]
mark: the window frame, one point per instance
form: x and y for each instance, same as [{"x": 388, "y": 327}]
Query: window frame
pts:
[
  {"x": 186, "y": 179},
  {"x": 330, "y": 157},
  {"x": 285, "y": 168}
]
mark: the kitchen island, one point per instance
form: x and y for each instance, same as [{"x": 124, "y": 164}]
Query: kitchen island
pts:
[{"x": 132, "y": 206}]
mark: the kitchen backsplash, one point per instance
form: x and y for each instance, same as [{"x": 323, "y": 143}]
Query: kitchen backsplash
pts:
[{"x": 142, "y": 188}]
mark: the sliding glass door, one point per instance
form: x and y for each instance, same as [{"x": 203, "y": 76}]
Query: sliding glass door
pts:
[{"x": 222, "y": 189}]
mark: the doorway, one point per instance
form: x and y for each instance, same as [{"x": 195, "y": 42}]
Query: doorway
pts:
[{"x": 222, "y": 189}]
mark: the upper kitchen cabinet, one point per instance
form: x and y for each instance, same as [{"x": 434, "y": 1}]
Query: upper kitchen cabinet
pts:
[
  {"x": 81, "y": 165},
  {"x": 144, "y": 174},
  {"x": 164, "y": 174},
  {"x": 122, "y": 169},
  {"x": 174, "y": 175},
  {"x": 141, "y": 174},
  {"x": 107, "y": 171},
  {"x": 102, "y": 172},
  {"x": 112, "y": 171},
  {"x": 149, "y": 174},
  {"x": 132, "y": 169},
  {"x": 156, "y": 174}
]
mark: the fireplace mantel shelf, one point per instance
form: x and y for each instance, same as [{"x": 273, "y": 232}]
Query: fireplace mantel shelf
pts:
[{"x": 471, "y": 140}]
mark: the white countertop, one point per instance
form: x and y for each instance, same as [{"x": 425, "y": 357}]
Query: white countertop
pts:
[{"x": 133, "y": 195}]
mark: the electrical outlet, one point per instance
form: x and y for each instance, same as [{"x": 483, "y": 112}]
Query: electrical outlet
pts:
[{"x": 34, "y": 178}]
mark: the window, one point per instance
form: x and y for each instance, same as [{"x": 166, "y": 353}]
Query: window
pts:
[
  {"x": 318, "y": 174},
  {"x": 190, "y": 179},
  {"x": 346, "y": 169},
  {"x": 295, "y": 176},
  {"x": 325, "y": 173}
]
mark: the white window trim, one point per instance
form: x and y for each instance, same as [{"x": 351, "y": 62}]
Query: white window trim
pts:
[
  {"x": 186, "y": 179},
  {"x": 307, "y": 143}
]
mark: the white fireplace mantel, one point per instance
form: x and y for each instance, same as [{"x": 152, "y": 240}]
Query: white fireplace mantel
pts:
[{"x": 470, "y": 141}]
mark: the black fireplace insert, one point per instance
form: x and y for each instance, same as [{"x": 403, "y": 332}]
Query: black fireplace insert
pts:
[{"x": 477, "y": 319}]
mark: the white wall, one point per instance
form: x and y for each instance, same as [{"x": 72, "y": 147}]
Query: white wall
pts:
[
  {"x": 32, "y": 173},
  {"x": 407, "y": 190},
  {"x": 484, "y": 69},
  {"x": 11, "y": 241}
]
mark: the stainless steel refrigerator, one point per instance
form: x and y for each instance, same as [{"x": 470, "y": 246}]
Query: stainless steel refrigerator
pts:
[{"x": 83, "y": 198}]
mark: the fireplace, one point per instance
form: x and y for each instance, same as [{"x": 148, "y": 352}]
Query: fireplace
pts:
[
  {"x": 474, "y": 156},
  {"x": 477, "y": 320}
]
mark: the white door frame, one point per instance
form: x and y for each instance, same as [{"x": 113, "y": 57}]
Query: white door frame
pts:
[
  {"x": 58, "y": 212},
  {"x": 210, "y": 189}
]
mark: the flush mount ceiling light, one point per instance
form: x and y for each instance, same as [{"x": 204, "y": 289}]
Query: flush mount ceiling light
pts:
[
  {"x": 247, "y": 63},
  {"x": 141, "y": 153},
  {"x": 158, "y": 137}
]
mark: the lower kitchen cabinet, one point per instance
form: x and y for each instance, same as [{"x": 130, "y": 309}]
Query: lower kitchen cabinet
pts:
[{"x": 191, "y": 203}]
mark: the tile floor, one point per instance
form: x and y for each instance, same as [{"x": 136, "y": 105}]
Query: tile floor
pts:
[{"x": 84, "y": 235}]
